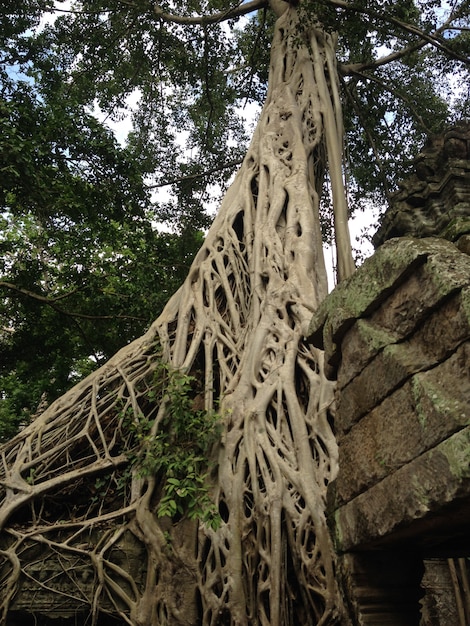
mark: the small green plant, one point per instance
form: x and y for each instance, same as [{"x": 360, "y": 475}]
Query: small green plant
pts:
[
  {"x": 179, "y": 449},
  {"x": 31, "y": 475}
]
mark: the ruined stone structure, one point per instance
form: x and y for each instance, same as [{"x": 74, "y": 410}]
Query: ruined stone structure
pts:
[
  {"x": 437, "y": 195},
  {"x": 396, "y": 338},
  {"x": 49, "y": 588}
]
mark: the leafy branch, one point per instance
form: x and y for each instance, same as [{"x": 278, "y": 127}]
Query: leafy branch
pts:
[
  {"x": 52, "y": 303},
  {"x": 195, "y": 176},
  {"x": 238, "y": 10},
  {"x": 177, "y": 446},
  {"x": 435, "y": 38}
]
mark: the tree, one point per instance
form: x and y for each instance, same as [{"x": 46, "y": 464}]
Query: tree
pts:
[
  {"x": 115, "y": 461},
  {"x": 77, "y": 237}
]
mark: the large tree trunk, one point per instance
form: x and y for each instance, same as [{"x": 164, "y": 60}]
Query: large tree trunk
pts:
[{"x": 238, "y": 323}]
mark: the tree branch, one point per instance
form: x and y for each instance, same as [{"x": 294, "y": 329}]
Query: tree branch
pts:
[
  {"x": 180, "y": 179},
  {"x": 433, "y": 39},
  {"x": 353, "y": 68},
  {"x": 398, "y": 94},
  {"x": 32, "y": 294},
  {"x": 52, "y": 303},
  {"x": 237, "y": 11},
  {"x": 369, "y": 136}
]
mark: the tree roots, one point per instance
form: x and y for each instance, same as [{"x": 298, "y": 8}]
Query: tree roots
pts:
[{"x": 80, "y": 525}]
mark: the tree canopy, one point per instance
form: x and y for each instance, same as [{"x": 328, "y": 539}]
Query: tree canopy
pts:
[
  {"x": 83, "y": 269},
  {"x": 194, "y": 66}
]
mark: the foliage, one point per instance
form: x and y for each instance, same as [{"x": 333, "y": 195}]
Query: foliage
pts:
[
  {"x": 235, "y": 330},
  {"x": 169, "y": 441},
  {"x": 178, "y": 452},
  {"x": 83, "y": 269},
  {"x": 67, "y": 308}
]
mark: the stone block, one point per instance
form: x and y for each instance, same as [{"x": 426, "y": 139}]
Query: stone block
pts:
[
  {"x": 439, "y": 606},
  {"x": 402, "y": 312},
  {"x": 463, "y": 244},
  {"x": 405, "y": 279},
  {"x": 360, "y": 345},
  {"x": 435, "y": 341},
  {"x": 415, "y": 418},
  {"x": 413, "y": 493},
  {"x": 444, "y": 273},
  {"x": 384, "y": 586},
  {"x": 363, "y": 292}
]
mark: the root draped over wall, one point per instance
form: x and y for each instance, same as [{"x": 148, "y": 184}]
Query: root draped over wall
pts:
[{"x": 237, "y": 324}]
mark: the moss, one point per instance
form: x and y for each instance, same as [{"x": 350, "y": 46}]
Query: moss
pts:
[
  {"x": 373, "y": 337},
  {"x": 368, "y": 287},
  {"x": 465, "y": 302},
  {"x": 421, "y": 493},
  {"x": 337, "y": 531},
  {"x": 420, "y": 412},
  {"x": 452, "y": 410},
  {"x": 457, "y": 227},
  {"x": 456, "y": 449}
]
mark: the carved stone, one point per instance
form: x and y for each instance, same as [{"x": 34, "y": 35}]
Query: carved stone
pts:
[
  {"x": 60, "y": 589},
  {"x": 437, "y": 194}
]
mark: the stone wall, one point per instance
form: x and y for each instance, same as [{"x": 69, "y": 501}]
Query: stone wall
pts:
[{"x": 396, "y": 337}]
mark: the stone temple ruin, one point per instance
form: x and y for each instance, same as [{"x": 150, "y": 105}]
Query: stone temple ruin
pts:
[{"x": 396, "y": 340}]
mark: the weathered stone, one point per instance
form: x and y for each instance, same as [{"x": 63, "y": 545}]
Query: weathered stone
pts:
[
  {"x": 366, "y": 289},
  {"x": 414, "y": 492},
  {"x": 456, "y": 228},
  {"x": 463, "y": 244},
  {"x": 436, "y": 194},
  {"x": 360, "y": 345},
  {"x": 445, "y": 271},
  {"x": 384, "y": 586},
  {"x": 439, "y": 602},
  {"x": 403, "y": 310},
  {"x": 432, "y": 343},
  {"x": 396, "y": 337},
  {"x": 418, "y": 416},
  {"x": 405, "y": 279},
  {"x": 53, "y": 589},
  {"x": 441, "y": 397}
]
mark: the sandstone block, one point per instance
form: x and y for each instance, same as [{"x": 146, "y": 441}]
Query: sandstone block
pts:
[
  {"x": 405, "y": 279},
  {"x": 415, "y": 418},
  {"x": 410, "y": 495},
  {"x": 435, "y": 341}
]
